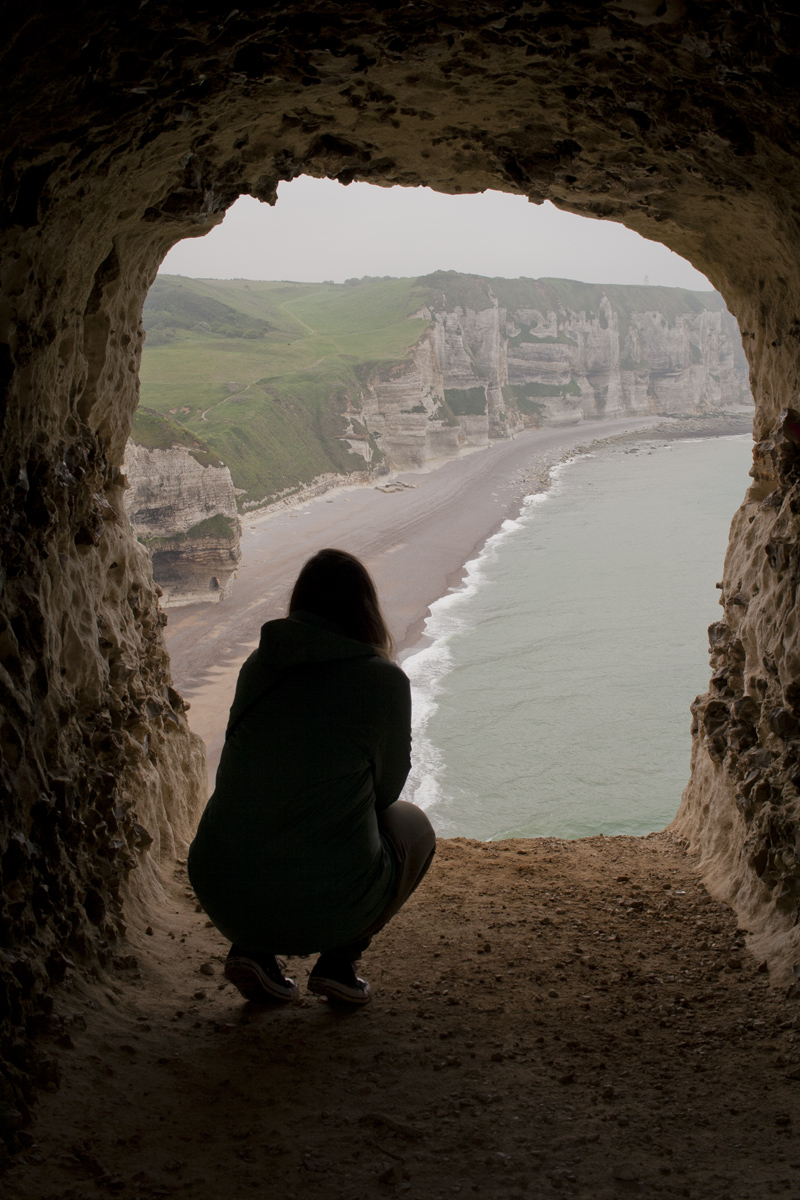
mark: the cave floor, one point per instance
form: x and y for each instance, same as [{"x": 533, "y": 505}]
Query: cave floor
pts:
[{"x": 550, "y": 1018}]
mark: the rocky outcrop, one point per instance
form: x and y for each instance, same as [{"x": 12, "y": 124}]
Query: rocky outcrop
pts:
[
  {"x": 480, "y": 373},
  {"x": 742, "y": 803},
  {"x": 476, "y": 359},
  {"x": 184, "y": 512}
]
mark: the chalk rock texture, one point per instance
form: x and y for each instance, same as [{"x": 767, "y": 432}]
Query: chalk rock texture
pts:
[
  {"x": 184, "y": 513},
  {"x": 530, "y": 357},
  {"x": 127, "y": 128}
]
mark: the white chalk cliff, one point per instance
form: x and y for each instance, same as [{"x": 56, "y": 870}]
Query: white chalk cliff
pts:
[
  {"x": 480, "y": 373},
  {"x": 183, "y": 510}
]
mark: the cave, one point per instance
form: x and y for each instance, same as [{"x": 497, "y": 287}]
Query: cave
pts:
[{"x": 130, "y": 128}]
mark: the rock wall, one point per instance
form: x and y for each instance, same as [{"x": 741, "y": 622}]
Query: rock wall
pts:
[
  {"x": 184, "y": 513},
  {"x": 481, "y": 374},
  {"x": 742, "y": 804},
  {"x": 128, "y": 128}
]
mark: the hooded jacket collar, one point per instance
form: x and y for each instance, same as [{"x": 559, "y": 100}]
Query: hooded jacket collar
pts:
[
  {"x": 301, "y": 639},
  {"x": 306, "y": 638}
]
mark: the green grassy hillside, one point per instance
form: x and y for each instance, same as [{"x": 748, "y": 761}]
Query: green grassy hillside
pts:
[
  {"x": 155, "y": 432},
  {"x": 261, "y": 372}
]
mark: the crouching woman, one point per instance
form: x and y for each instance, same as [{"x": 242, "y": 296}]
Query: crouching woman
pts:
[{"x": 304, "y": 846}]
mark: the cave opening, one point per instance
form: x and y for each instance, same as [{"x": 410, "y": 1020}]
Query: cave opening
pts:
[
  {"x": 678, "y": 123},
  {"x": 212, "y": 317}
]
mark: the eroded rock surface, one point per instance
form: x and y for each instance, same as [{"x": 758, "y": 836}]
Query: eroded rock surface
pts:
[
  {"x": 494, "y": 365},
  {"x": 128, "y": 128},
  {"x": 184, "y": 512}
]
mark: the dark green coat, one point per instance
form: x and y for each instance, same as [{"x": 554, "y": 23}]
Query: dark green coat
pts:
[{"x": 288, "y": 858}]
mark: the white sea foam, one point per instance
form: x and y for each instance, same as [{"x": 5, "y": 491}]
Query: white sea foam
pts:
[
  {"x": 535, "y": 711},
  {"x": 451, "y": 617}
]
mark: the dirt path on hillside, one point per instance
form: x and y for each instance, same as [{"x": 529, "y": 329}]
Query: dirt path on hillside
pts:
[
  {"x": 294, "y": 316},
  {"x": 551, "y": 1018}
]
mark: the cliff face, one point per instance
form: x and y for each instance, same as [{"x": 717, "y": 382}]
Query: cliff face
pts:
[
  {"x": 442, "y": 364},
  {"x": 485, "y": 368},
  {"x": 303, "y": 384},
  {"x": 184, "y": 512}
]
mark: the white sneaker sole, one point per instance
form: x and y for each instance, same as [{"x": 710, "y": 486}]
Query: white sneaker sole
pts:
[
  {"x": 333, "y": 990},
  {"x": 253, "y": 983}
]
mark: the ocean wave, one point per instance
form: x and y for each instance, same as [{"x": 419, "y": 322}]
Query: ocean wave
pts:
[
  {"x": 532, "y": 708},
  {"x": 450, "y": 616}
]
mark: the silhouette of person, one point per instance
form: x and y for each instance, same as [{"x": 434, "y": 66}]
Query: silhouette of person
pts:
[{"x": 304, "y": 846}]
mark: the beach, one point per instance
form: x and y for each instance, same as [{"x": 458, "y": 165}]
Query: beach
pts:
[{"x": 415, "y": 541}]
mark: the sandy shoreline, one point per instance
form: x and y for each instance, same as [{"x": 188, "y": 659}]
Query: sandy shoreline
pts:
[{"x": 415, "y": 541}]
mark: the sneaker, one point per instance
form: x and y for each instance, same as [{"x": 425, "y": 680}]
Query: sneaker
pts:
[
  {"x": 258, "y": 976},
  {"x": 336, "y": 978}
]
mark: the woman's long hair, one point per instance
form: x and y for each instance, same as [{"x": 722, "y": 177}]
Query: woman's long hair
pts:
[{"x": 335, "y": 585}]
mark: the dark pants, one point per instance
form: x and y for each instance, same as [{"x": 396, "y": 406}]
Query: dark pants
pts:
[{"x": 414, "y": 842}]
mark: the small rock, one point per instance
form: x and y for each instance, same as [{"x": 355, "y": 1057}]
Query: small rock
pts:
[
  {"x": 10, "y": 1118},
  {"x": 149, "y": 931},
  {"x": 206, "y": 968},
  {"x": 553, "y": 994},
  {"x": 199, "y": 994},
  {"x": 392, "y": 1174}
]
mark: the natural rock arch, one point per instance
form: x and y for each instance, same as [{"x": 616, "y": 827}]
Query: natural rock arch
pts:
[{"x": 125, "y": 132}]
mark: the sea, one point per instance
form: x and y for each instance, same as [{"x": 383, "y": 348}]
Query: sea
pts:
[{"x": 551, "y": 690}]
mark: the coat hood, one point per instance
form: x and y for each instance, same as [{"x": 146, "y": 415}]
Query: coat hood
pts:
[
  {"x": 306, "y": 638},
  {"x": 303, "y": 638}
]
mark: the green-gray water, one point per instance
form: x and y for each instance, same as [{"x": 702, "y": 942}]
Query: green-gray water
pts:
[{"x": 554, "y": 697}]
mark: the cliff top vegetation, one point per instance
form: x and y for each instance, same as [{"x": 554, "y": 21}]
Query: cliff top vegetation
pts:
[
  {"x": 153, "y": 431},
  {"x": 261, "y": 372}
]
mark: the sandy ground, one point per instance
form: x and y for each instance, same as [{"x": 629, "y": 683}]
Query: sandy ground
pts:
[
  {"x": 415, "y": 542},
  {"x": 550, "y": 1019}
]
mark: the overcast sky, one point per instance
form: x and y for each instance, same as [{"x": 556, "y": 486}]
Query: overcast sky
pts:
[{"x": 321, "y": 230}]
